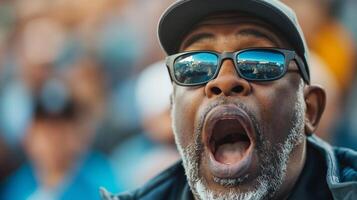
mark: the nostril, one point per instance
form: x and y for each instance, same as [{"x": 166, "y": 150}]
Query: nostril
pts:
[
  {"x": 216, "y": 90},
  {"x": 238, "y": 89}
]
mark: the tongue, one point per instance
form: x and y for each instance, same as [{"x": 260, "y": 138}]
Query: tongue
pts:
[{"x": 229, "y": 153}]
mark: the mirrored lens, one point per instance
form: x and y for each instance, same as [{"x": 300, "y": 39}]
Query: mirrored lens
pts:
[
  {"x": 195, "y": 68},
  {"x": 261, "y": 64}
]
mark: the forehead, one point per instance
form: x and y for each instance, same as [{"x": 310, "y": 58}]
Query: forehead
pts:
[{"x": 233, "y": 24}]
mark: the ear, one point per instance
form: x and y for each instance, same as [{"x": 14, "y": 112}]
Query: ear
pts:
[{"x": 315, "y": 100}]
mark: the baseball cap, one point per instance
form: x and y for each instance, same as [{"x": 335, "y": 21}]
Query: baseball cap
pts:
[{"x": 182, "y": 15}]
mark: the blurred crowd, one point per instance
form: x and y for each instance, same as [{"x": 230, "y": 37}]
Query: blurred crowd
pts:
[{"x": 85, "y": 95}]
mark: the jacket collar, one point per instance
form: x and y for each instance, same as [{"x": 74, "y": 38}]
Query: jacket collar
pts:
[{"x": 341, "y": 164}]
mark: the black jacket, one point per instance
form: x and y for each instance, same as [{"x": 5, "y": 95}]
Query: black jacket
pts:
[{"x": 329, "y": 173}]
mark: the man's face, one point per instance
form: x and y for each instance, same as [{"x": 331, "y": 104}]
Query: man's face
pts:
[{"x": 239, "y": 139}]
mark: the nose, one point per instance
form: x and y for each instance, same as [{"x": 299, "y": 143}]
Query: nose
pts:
[{"x": 227, "y": 82}]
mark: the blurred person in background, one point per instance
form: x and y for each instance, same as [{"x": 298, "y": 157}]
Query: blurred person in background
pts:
[
  {"x": 148, "y": 152},
  {"x": 61, "y": 165},
  {"x": 333, "y": 53}
]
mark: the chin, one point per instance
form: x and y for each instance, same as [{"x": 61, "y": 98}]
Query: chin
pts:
[
  {"x": 251, "y": 184},
  {"x": 205, "y": 192}
]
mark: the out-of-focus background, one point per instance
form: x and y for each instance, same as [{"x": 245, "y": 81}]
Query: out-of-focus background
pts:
[{"x": 84, "y": 95}]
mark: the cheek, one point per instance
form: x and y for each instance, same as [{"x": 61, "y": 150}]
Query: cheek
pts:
[
  {"x": 186, "y": 103},
  {"x": 277, "y": 105}
]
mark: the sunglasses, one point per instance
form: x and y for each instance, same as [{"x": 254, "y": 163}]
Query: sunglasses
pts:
[{"x": 259, "y": 64}]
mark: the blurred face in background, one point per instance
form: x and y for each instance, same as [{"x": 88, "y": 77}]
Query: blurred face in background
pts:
[{"x": 55, "y": 142}]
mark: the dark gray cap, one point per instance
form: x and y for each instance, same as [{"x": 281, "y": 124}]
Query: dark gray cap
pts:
[{"x": 182, "y": 15}]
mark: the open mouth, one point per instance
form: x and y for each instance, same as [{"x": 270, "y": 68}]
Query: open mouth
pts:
[
  {"x": 229, "y": 138},
  {"x": 229, "y": 141}
]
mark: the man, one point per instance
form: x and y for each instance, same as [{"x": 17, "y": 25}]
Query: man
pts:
[{"x": 243, "y": 108}]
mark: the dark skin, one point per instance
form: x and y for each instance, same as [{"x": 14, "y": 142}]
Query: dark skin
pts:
[{"x": 263, "y": 98}]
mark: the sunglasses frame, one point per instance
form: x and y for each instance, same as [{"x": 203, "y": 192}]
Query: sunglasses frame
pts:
[{"x": 288, "y": 55}]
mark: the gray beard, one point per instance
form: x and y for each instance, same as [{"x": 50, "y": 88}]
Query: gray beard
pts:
[{"x": 273, "y": 157}]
